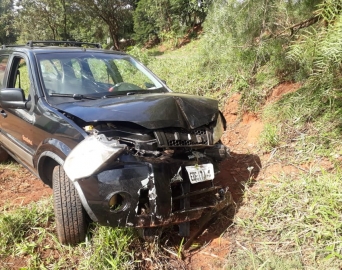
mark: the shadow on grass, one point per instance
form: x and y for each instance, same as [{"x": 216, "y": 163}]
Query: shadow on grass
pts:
[
  {"x": 155, "y": 53},
  {"x": 236, "y": 173}
]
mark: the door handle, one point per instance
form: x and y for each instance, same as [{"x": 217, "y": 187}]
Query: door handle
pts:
[{"x": 3, "y": 113}]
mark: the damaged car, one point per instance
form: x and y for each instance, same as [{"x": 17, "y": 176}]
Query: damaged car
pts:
[{"x": 115, "y": 144}]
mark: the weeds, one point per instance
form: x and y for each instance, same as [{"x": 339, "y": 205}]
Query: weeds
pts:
[
  {"x": 28, "y": 232},
  {"x": 269, "y": 137},
  {"x": 293, "y": 221},
  {"x": 27, "y": 240}
]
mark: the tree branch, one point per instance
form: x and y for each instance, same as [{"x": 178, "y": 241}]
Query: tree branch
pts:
[{"x": 304, "y": 24}]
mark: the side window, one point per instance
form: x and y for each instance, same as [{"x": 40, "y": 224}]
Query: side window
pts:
[
  {"x": 3, "y": 64},
  {"x": 20, "y": 76}
]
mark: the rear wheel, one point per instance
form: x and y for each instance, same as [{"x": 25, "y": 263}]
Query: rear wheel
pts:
[{"x": 71, "y": 219}]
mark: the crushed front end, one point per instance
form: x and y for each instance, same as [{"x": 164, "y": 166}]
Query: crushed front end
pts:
[{"x": 128, "y": 175}]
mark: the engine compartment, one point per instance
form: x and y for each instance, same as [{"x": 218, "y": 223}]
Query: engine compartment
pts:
[{"x": 167, "y": 142}]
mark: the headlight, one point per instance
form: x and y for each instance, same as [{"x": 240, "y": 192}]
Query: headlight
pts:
[
  {"x": 218, "y": 129},
  {"x": 89, "y": 156}
]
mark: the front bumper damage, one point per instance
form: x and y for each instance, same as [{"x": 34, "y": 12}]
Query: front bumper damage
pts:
[{"x": 127, "y": 190}]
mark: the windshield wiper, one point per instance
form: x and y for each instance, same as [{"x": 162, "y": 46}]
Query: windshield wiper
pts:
[
  {"x": 74, "y": 96},
  {"x": 134, "y": 92}
]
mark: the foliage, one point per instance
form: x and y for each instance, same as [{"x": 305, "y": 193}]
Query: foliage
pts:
[
  {"x": 183, "y": 72},
  {"x": 46, "y": 19},
  {"x": 269, "y": 137},
  {"x": 248, "y": 56},
  {"x": 291, "y": 224},
  {"x": 74, "y": 20},
  {"x": 115, "y": 14},
  {"x": 7, "y": 32},
  {"x": 318, "y": 53},
  {"x": 152, "y": 19},
  {"x": 29, "y": 232},
  {"x": 253, "y": 50}
]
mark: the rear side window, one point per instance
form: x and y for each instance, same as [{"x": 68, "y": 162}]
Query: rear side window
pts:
[{"x": 3, "y": 65}]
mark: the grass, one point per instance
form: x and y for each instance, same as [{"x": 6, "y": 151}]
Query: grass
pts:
[
  {"x": 28, "y": 232},
  {"x": 28, "y": 241},
  {"x": 185, "y": 70},
  {"x": 292, "y": 224}
]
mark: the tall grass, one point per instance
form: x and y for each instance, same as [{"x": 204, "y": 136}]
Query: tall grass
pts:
[
  {"x": 292, "y": 223},
  {"x": 27, "y": 239}
]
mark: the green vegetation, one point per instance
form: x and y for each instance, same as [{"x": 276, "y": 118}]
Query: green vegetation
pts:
[
  {"x": 156, "y": 20},
  {"x": 28, "y": 240},
  {"x": 29, "y": 232},
  {"x": 291, "y": 224},
  {"x": 7, "y": 31}
]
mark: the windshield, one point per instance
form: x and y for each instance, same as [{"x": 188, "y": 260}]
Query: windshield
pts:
[{"x": 94, "y": 74}]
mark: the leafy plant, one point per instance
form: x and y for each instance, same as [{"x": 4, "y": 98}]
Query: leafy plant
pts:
[{"x": 269, "y": 138}]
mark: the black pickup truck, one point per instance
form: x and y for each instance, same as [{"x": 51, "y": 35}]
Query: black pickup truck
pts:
[{"x": 115, "y": 144}]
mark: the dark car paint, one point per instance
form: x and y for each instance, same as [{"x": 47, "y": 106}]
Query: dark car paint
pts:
[
  {"x": 152, "y": 111},
  {"x": 42, "y": 115},
  {"x": 46, "y": 133},
  {"x": 126, "y": 178}
]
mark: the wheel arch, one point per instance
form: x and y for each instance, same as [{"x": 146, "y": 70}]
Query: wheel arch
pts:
[
  {"x": 50, "y": 154},
  {"x": 47, "y": 162}
]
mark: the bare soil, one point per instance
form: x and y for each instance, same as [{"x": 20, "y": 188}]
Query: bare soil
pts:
[
  {"x": 247, "y": 165},
  {"x": 20, "y": 187}
]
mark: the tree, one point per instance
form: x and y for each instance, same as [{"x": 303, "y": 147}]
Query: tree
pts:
[
  {"x": 7, "y": 31},
  {"x": 116, "y": 14},
  {"x": 153, "y": 17},
  {"x": 43, "y": 19}
]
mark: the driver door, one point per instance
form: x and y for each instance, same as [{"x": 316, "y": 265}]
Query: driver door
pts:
[{"x": 17, "y": 124}]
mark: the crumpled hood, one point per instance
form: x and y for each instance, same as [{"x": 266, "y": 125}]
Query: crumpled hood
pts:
[{"x": 152, "y": 111}]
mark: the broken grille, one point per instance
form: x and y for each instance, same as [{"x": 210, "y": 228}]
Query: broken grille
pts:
[
  {"x": 187, "y": 196},
  {"x": 181, "y": 138}
]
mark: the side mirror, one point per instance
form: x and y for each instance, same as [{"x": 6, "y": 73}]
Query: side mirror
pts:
[{"x": 13, "y": 98}]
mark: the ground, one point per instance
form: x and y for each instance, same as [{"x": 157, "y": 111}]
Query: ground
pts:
[
  {"x": 20, "y": 187},
  {"x": 245, "y": 164}
]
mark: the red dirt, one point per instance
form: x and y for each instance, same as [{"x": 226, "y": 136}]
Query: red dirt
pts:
[
  {"x": 281, "y": 90},
  {"x": 246, "y": 163},
  {"x": 20, "y": 187}
]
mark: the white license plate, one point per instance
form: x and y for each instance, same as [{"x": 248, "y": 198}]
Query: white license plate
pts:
[{"x": 200, "y": 173}]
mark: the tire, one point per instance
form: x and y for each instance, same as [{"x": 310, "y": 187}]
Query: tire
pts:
[{"x": 71, "y": 218}]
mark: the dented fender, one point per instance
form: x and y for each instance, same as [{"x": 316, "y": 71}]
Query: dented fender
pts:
[{"x": 90, "y": 156}]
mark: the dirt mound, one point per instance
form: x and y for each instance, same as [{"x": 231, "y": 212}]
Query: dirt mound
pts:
[
  {"x": 242, "y": 130},
  {"x": 283, "y": 89}
]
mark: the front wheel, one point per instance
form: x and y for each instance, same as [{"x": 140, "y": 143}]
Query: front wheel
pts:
[{"x": 71, "y": 219}]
